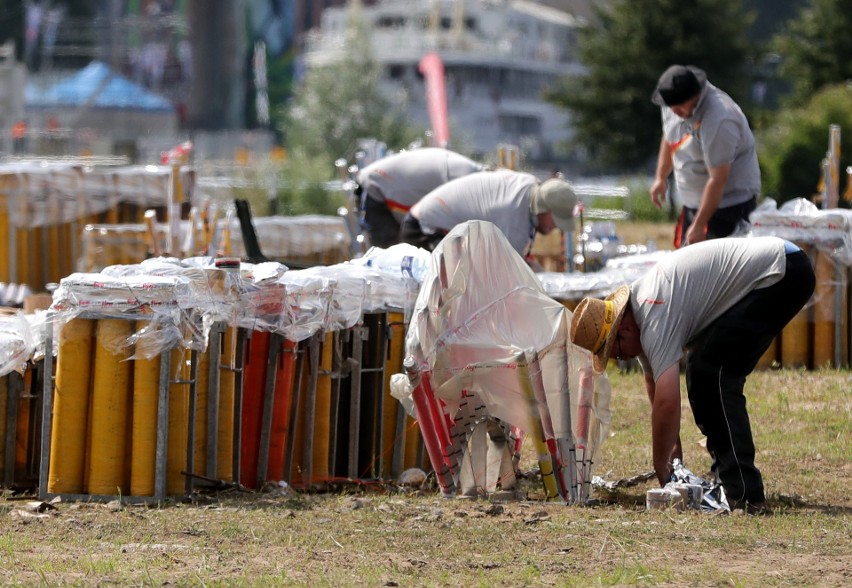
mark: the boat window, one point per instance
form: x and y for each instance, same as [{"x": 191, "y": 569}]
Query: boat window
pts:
[
  {"x": 390, "y": 22},
  {"x": 519, "y": 124}
]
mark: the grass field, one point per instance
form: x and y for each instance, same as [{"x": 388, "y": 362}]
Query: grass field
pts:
[{"x": 383, "y": 536}]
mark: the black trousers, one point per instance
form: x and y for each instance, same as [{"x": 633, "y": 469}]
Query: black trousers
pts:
[
  {"x": 723, "y": 222},
  {"x": 720, "y": 359},
  {"x": 380, "y": 223},
  {"x": 412, "y": 233}
]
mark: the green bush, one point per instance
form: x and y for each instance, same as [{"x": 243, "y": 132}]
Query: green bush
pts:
[
  {"x": 302, "y": 185},
  {"x": 792, "y": 149}
]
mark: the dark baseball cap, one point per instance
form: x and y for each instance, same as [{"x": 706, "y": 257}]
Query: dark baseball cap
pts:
[{"x": 678, "y": 84}]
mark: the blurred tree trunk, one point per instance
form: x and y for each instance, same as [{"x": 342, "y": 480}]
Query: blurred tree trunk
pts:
[{"x": 217, "y": 36}]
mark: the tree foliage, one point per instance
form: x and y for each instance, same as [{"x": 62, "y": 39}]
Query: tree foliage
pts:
[
  {"x": 634, "y": 41},
  {"x": 338, "y": 103},
  {"x": 793, "y": 149},
  {"x": 816, "y": 47}
]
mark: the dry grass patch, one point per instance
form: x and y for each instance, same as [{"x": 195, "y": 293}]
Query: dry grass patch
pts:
[{"x": 381, "y": 536}]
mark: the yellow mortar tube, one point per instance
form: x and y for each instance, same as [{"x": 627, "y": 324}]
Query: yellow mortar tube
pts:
[
  {"x": 4, "y": 404},
  {"x": 143, "y": 440},
  {"x": 110, "y": 409},
  {"x": 796, "y": 335},
  {"x": 70, "y": 408},
  {"x": 225, "y": 442},
  {"x": 393, "y": 365},
  {"x": 201, "y": 387},
  {"x": 178, "y": 422},
  {"x": 5, "y": 231},
  {"x": 54, "y": 254},
  {"x": 22, "y": 261},
  {"x": 22, "y": 427},
  {"x": 412, "y": 442},
  {"x": 824, "y": 315}
]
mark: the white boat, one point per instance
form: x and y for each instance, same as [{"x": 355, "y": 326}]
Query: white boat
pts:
[{"x": 498, "y": 57}]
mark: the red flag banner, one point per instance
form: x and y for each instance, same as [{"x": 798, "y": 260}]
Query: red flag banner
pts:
[{"x": 432, "y": 69}]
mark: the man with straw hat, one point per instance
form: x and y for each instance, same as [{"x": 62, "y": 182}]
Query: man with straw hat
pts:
[{"x": 723, "y": 301}]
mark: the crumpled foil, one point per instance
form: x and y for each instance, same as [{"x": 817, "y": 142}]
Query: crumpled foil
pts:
[{"x": 714, "y": 497}]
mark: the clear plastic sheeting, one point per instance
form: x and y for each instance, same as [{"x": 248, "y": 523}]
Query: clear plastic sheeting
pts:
[
  {"x": 262, "y": 302},
  {"x": 303, "y": 236},
  {"x": 307, "y": 304},
  {"x": 49, "y": 193},
  {"x": 349, "y": 295},
  {"x": 826, "y": 236},
  {"x": 394, "y": 276},
  {"x": 18, "y": 342},
  {"x": 485, "y": 341},
  {"x": 617, "y": 271},
  {"x": 576, "y": 286},
  {"x": 206, "y": 295},
  {"x": 148, "y": 297},
  {"x": 801, "y": 222},
  {"x": 400, "y": 260}
]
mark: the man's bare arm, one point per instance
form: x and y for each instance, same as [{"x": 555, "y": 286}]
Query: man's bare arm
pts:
[
  {"x": 661, "y": 178},
  {"x": 665, "y": 422},
  {"x": 714, "y": 189}
]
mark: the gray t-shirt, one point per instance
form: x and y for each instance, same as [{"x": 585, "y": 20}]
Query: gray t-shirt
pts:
[
  {"x": 400, "y": 180},
  {"x": 690, "y": 288},
  {"x": 717, "y": 133},
  {"x": 501, "y": 197}
]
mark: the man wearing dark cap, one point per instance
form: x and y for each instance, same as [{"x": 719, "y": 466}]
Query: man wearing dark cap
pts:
[
  {"x": 515, "y": 201},
  {"x": 708, "y": 144}
]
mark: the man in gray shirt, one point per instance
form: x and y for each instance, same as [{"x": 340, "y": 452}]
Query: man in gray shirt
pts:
[
  {"x": 724, "y": 301},
  {"x": 390, "y": 186},
  {"x": 708, "y": 144},
  {"x": 514, "y": 201}
]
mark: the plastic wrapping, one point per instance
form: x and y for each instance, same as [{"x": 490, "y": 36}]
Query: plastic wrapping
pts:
[
  {"x": 262, "y": 303},
  {"x": 204, "y": 294},
  {"x": 394, "y": 276},
  {"x": 486, "y": 333},
  {"x": 400, "y": 388},
  {"x": 17, "y": 343},
  {"x": 826, "y": 236},
  {"x": 400, "y": 260},
  {"x": 307, "y": 304},
  {"x": 148, "y": 297},
  {"x": 304, "y": 239},
  {"x": 349, "y": 294},
  {"x": 801, "y": 222}
]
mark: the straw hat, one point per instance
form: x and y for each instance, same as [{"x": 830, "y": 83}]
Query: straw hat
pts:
[{"x": 594, "y": 325}]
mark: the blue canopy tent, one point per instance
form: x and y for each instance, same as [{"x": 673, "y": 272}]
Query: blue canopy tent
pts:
[
  {"x": 106, "y": 104},
  {"x": 96, "y": 86}
]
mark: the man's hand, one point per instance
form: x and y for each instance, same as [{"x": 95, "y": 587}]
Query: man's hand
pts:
[
  {"x": 658, "y": 192},
  {"x": 710, "y": 199},
  {"x": 696, "y": 233}
]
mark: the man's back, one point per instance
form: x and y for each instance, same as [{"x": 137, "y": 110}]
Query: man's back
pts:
[
  {"x": 693, "y": 286},
  {"x": 500, "y": 197},
  {"x": 400, "y": 180}
]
